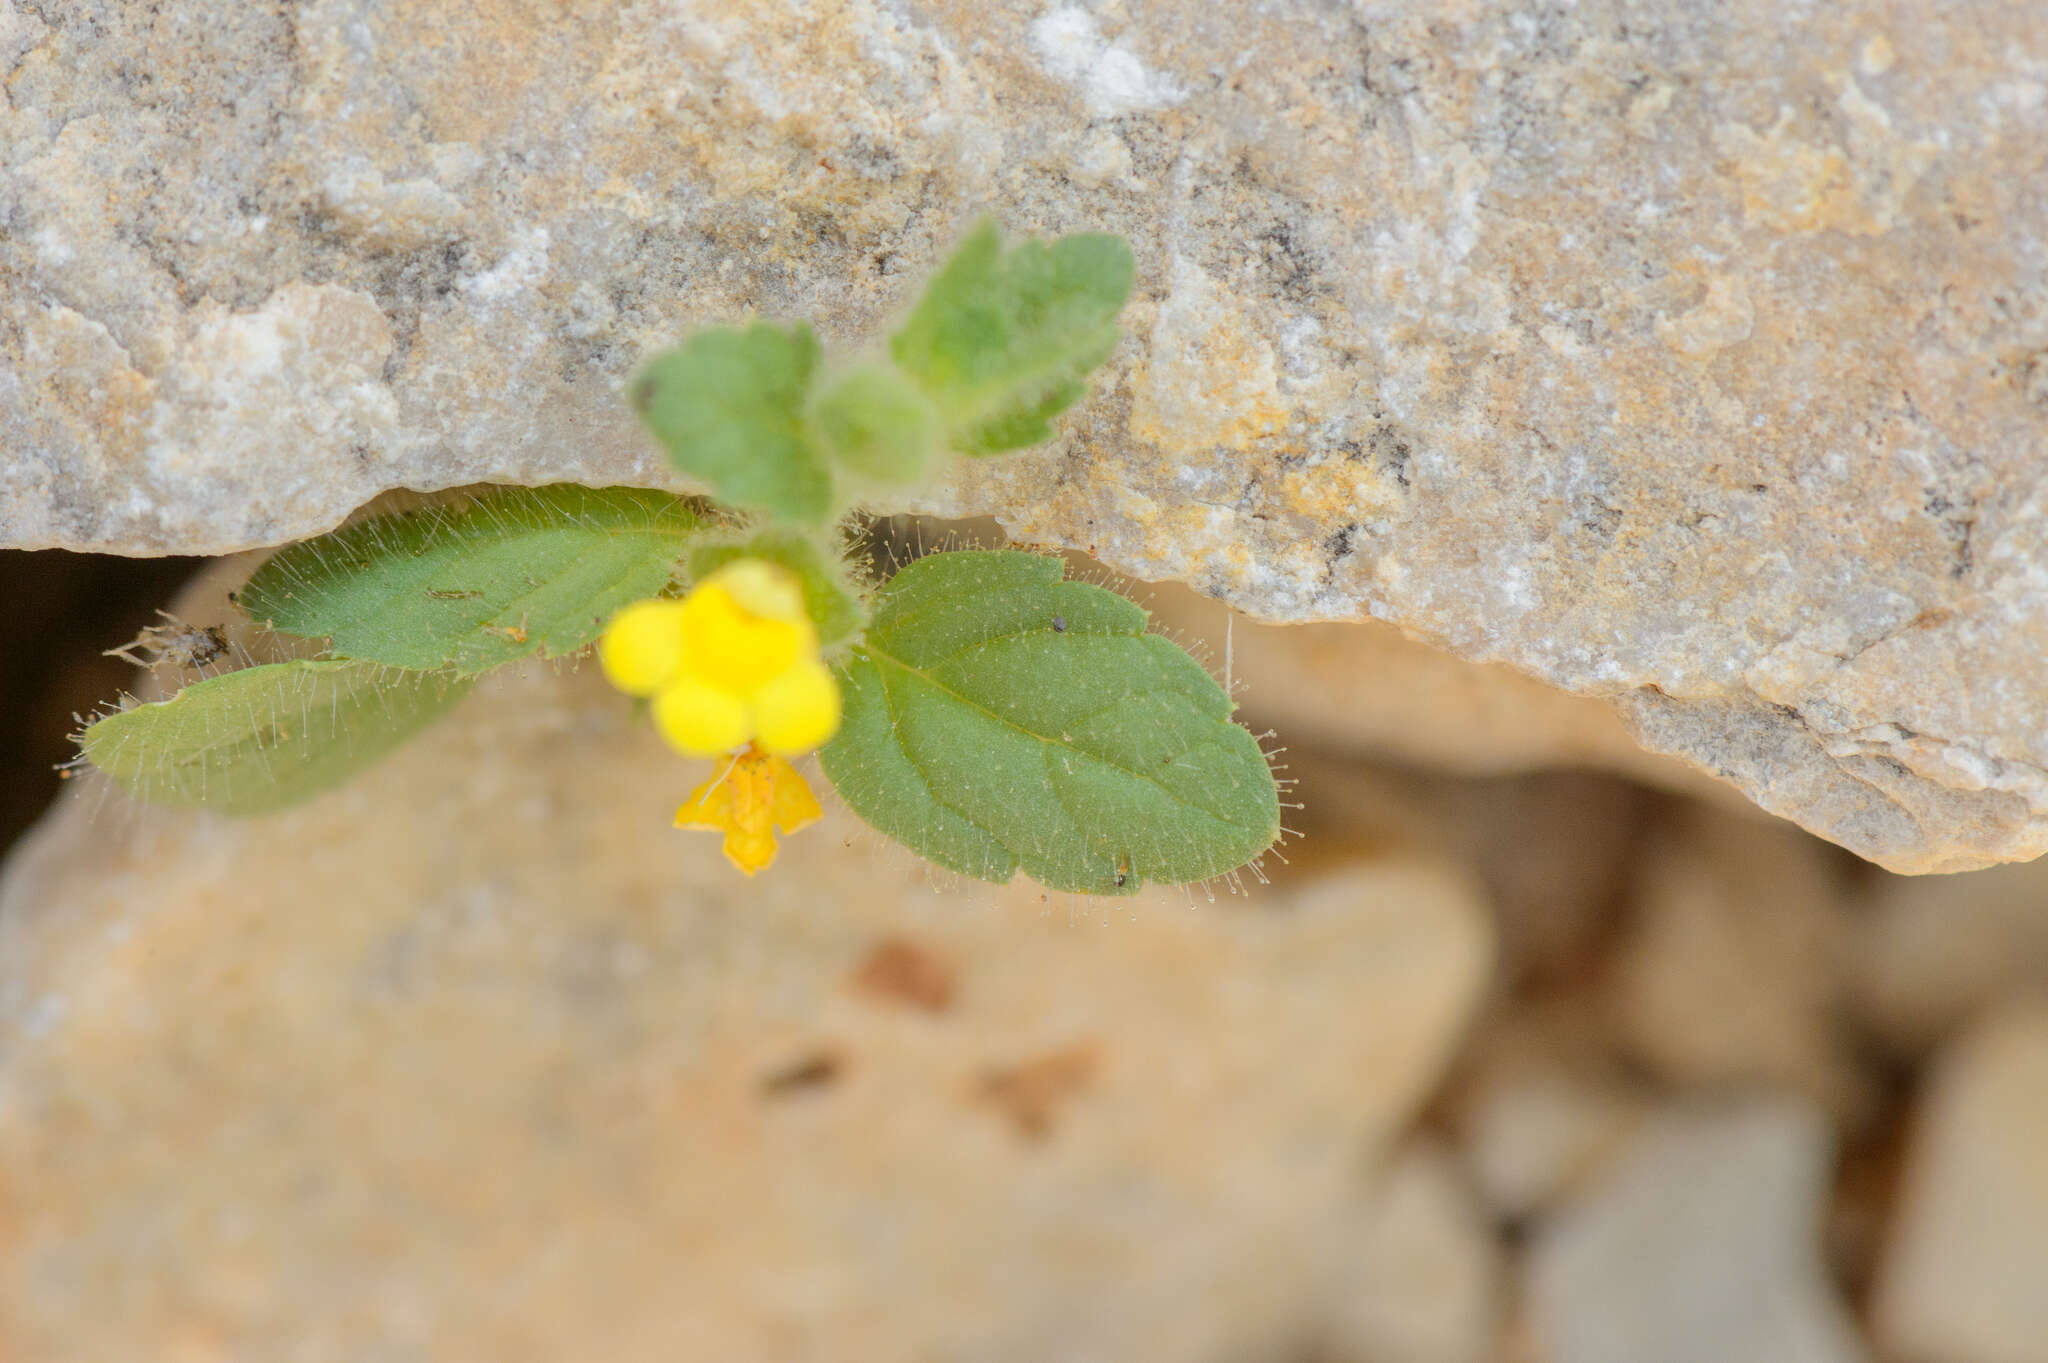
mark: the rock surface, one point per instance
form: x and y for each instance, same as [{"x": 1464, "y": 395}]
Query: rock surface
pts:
[
  {"x": 1932, "y": 952},
  {"x": 1536, "y": 1137},
  {"x": 1732, "y": 972},
  {"x": 1421, "y": 1280},
  {"x": 1702, "y": 1246},
  {"x": 478, "y": 1058},
  {"x": 1691, "y": 357},
  {"x": 1965, "y": 1277},
  {"x": 1364, "y": 689}
]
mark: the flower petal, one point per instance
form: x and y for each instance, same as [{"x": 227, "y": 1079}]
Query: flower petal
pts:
[
  {"x": 750, "y": 850},
  {"x": 730, "y": 647},
  {"x": 700, "y": 720},
  {"x": 709, "y": 805},
  {"x": 750, "y": 796},
  {"x": 797, "y": 710},
  {"x": 641, "y": 650},
  {"x": 792, "y": 804},
  {"x": 761, "y": 588}
]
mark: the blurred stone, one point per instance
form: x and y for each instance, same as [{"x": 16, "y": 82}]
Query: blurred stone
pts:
[
  {"x": 1365, "y": 688},
  {"x": 1732, "y": 971},
  {"x": 1544, "y": 1099},
  {"x": 1421, "y": 1280},
  {"x": 1552, "y": 845},
  {"x": 1935, "y": 951},
  {"x": 1703, "y": 1246},
  {"x": 1965, "y": 1275},
  {"x": 1672, "y": 355},
  {"x": 476, "y": 1057},
  {"x": 1537, "y": 1138},
  {"x": 1865, "y": 1194},
  {"x": 1554, "y": 850}
]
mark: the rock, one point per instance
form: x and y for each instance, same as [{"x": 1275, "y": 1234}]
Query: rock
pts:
[
  {"x": 1421, "y": 1280},
  {"x": 1964, "y": 1278},
  {"x": 1364, "y": 688},
  {"x": 1553, "y": 846},
  {"x": 1933, "y": 952},
  {"x": 1553, "y": 849},
  {"x": 1702, "y": 1246},
  {"x": 1543, "y": 1099},
  {"x": 477, "y": 1058},
  {"x": 1677, "y": 357},
  {"x": 1733, "y": 971},
  {"x": 1536, "y": 1138}
]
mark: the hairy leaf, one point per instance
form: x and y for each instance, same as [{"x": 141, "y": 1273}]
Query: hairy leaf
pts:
[
  {"x": 517, "y": 573},
  {"x": 998, "y": 717},
  {"x": 1003, "y": 341},
  {"x": 729, "y": 406},
  {"x": 829, "y": 599},
  {"x": 877, "y": 425},
  {"x": 265, "y": 737}
]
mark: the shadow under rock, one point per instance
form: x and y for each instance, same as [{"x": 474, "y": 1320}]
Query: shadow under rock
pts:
[{"x": 62, "y": 611}]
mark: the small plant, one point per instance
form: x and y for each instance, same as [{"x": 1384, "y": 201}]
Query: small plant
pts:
[{"x": 978, "y": 706}]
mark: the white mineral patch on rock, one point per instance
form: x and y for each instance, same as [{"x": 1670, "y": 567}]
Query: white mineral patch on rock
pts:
[
  {"x": 1721, "y": 319},
  {"x": 18, "y": 33},
  {"x": 406, "y": 214},
  {"x": 1212, "y": 381},
  {"x": 1069, "y": 42},
  {"x": 315, "y": 352}
]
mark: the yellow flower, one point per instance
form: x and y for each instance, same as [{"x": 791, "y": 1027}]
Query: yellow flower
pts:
[
  {"x": 756, "y": 793},
  {"x": 736, "y": 661}
]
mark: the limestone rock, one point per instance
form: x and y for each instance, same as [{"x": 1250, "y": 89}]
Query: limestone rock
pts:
[
  {"x": 1556, "y": 851},
  {"x": 1681, "y": 356},
  {"x": 1421, "y": 1280},
  {"x": 1935, "y": 952},
  {"x": 1545, "y": 1099},
  {"x": 477, "y": 1058},
  {"x": 1965, "y": 1276},
  {"x": 1537, "y": 1137},
  {"x": 1364, "y": 688},
  {"x": 1703, "y": 1246},
  {"x": 1733, "y": 971}
]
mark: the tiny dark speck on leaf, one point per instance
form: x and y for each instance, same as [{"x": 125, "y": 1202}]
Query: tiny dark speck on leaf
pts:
[
  {"x": 643, "y": 392},
  {"x": 1059, "y": 624}
]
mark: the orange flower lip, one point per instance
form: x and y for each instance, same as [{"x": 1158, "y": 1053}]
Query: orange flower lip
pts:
[{"x": 755, "y": 794}]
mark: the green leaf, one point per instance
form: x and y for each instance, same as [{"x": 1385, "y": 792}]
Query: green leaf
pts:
[
  {"x": 517, "y": 573},
  {"x": 729, "y": 405},
  {"x": 877, "y": 425},
  {"x": 829, "y": 598},
  {"x": 1003, "y": 341},
  {"x": 999, "y": 717},
  {"x": 266, "y": 737}
]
